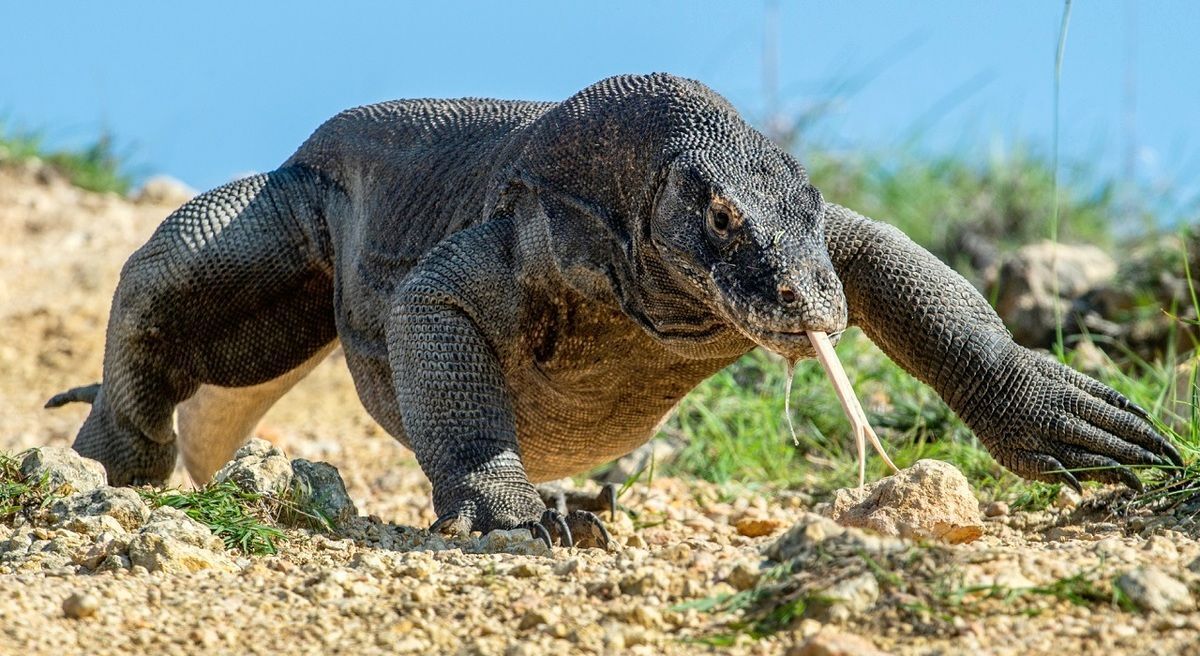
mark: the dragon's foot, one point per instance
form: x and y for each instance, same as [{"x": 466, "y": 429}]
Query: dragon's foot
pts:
[
  {"x": 578, "y": 528},
  {"x": 523, "y": 508}
]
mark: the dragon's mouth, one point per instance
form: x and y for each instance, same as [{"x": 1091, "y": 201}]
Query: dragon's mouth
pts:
[{"x": 791, "y": 343}]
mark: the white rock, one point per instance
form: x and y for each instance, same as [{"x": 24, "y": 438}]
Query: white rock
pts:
[
  {"x": 809, "y": 531},
  {"x": 106, "y": 545},
  {"x": 849, "y": 597},
  {"x": 121, "y": 503},
  {"x": 931, "y": 499},
  {"x": 95, "y": 525},
  {"x": 1040, "y": 282},
  {"x": 80, "y": 605},
  {"x": 158, "y": 553},
  {"x": 1155, "y": 591},
  {"x": 258, "y": 467},
  {"x": 175, "y": 543},
  {"x": 164, "y": 190},
  {"x": 174, "y": 523},
  {"x": 63, "y": 468}
]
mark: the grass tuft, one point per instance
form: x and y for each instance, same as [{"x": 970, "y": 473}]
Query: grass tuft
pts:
[
  {"x": 243, "y": 520},
  {"x": 18, "y": 493},
  {"x": 95, "y": 167}
]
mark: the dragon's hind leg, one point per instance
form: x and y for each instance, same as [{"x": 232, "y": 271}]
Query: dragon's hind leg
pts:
[{"x": 234, "y": 289}]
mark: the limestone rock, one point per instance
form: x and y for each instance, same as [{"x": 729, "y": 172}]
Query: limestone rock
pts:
[
  {"x": 810, "y": 531},
  {"x": 121, "y": 503},
  {"x": 813, "y": 535},
  {"x": 175, "y": 543},
  {"x": 80, "y": 605},
  {"x": 105, "y": 546},
  {"x": 258, "y": 467},
  {"x": 931, "y": 499},
  {"x": 518, "y": 541},
  {"x": 847, "y": 598},
  {"x": 65, "y": 470},
  {"x": 1155, "y": 591},
  {"x": 174, "y": 523},
  {"x": 94, "y": 526},
  {"x": 159, "y": 553},
  {"x": 163, "y": 190},
  {"x": 744, "y": 576},
  {"x": 828, "y": 642},
  {"x": 318, "y": 487},
  {"x": 1044, "y": 282}
]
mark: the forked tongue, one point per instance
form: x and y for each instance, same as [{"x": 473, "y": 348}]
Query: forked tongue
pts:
[
  {"x": 850, "y": 405},
  {"x": 787, "y": 399}
]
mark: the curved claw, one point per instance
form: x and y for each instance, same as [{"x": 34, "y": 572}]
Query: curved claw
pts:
[
  {"x": 539, "y": 531},
  {"x": 554, "y": 518},
  {"x": 1096, "y": 467},
  {"x": 1137, "y": 410},
  {"x": 609, "y": 494},
  {"x": 589, "y": 530},
  {"x": 1041, "y": 467}
]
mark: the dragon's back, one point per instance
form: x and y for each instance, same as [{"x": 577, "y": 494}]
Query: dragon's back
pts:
[{"x": 417, "y": 170}]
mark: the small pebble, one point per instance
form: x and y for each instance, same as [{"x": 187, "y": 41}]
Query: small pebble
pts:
[
  {"x": 996, "y": 509},
  {"x": 752, "y": 527},
  {"x": 80, "y": 605},
  {"x": 1067, "y": 498}
]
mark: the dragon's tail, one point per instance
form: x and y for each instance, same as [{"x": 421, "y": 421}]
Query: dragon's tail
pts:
[{"x": 85, "y": 394}]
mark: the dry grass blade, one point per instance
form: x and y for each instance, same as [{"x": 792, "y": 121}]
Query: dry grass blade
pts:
[{"x": 850, "y": 404}]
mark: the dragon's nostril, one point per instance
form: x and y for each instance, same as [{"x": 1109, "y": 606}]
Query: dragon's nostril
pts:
[{"x": 787, "y": 295}]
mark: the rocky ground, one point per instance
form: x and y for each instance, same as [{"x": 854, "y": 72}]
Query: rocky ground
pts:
[{"x": 98, "y": 570}]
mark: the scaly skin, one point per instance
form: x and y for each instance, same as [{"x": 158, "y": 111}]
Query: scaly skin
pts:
[{"x": 524, "y": 290}]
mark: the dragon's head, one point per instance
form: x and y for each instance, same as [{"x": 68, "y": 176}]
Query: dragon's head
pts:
[{"x": 743, "y": 226}]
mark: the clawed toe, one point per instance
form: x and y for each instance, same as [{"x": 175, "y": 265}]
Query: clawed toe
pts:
[
  {"x": 609, "y": 494},
  {"x": 578, "y": 528},
  {"x": 588, "y": 530},
  {"x": 539, "y": 531}
]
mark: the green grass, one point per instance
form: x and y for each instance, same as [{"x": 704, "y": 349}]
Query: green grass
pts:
[
  {"x": 95, "y": 167},
  {"x": 734, "y": 430},
  {"x": 17, "y": 492},
  {"x": 243, "y": 520}
]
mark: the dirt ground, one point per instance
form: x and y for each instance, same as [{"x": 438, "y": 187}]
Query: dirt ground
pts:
[{"x": 61, "y": 250}]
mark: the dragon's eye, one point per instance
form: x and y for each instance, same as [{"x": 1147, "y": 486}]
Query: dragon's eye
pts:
[{"x": 722, "y": 218}]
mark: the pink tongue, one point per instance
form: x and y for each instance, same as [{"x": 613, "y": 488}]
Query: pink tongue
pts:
[{"x": 850, "y": 404}]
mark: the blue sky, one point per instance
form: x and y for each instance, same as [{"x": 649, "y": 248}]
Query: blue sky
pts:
[{"x": 207, "y": 91}]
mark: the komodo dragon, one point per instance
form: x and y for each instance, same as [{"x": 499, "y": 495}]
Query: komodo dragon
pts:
[{"x": 524, "y": 290}]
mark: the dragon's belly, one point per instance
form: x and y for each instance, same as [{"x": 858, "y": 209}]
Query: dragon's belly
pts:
[
  {"x": 562, "y": 435},
  {"x": 589, "y": 388}
]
